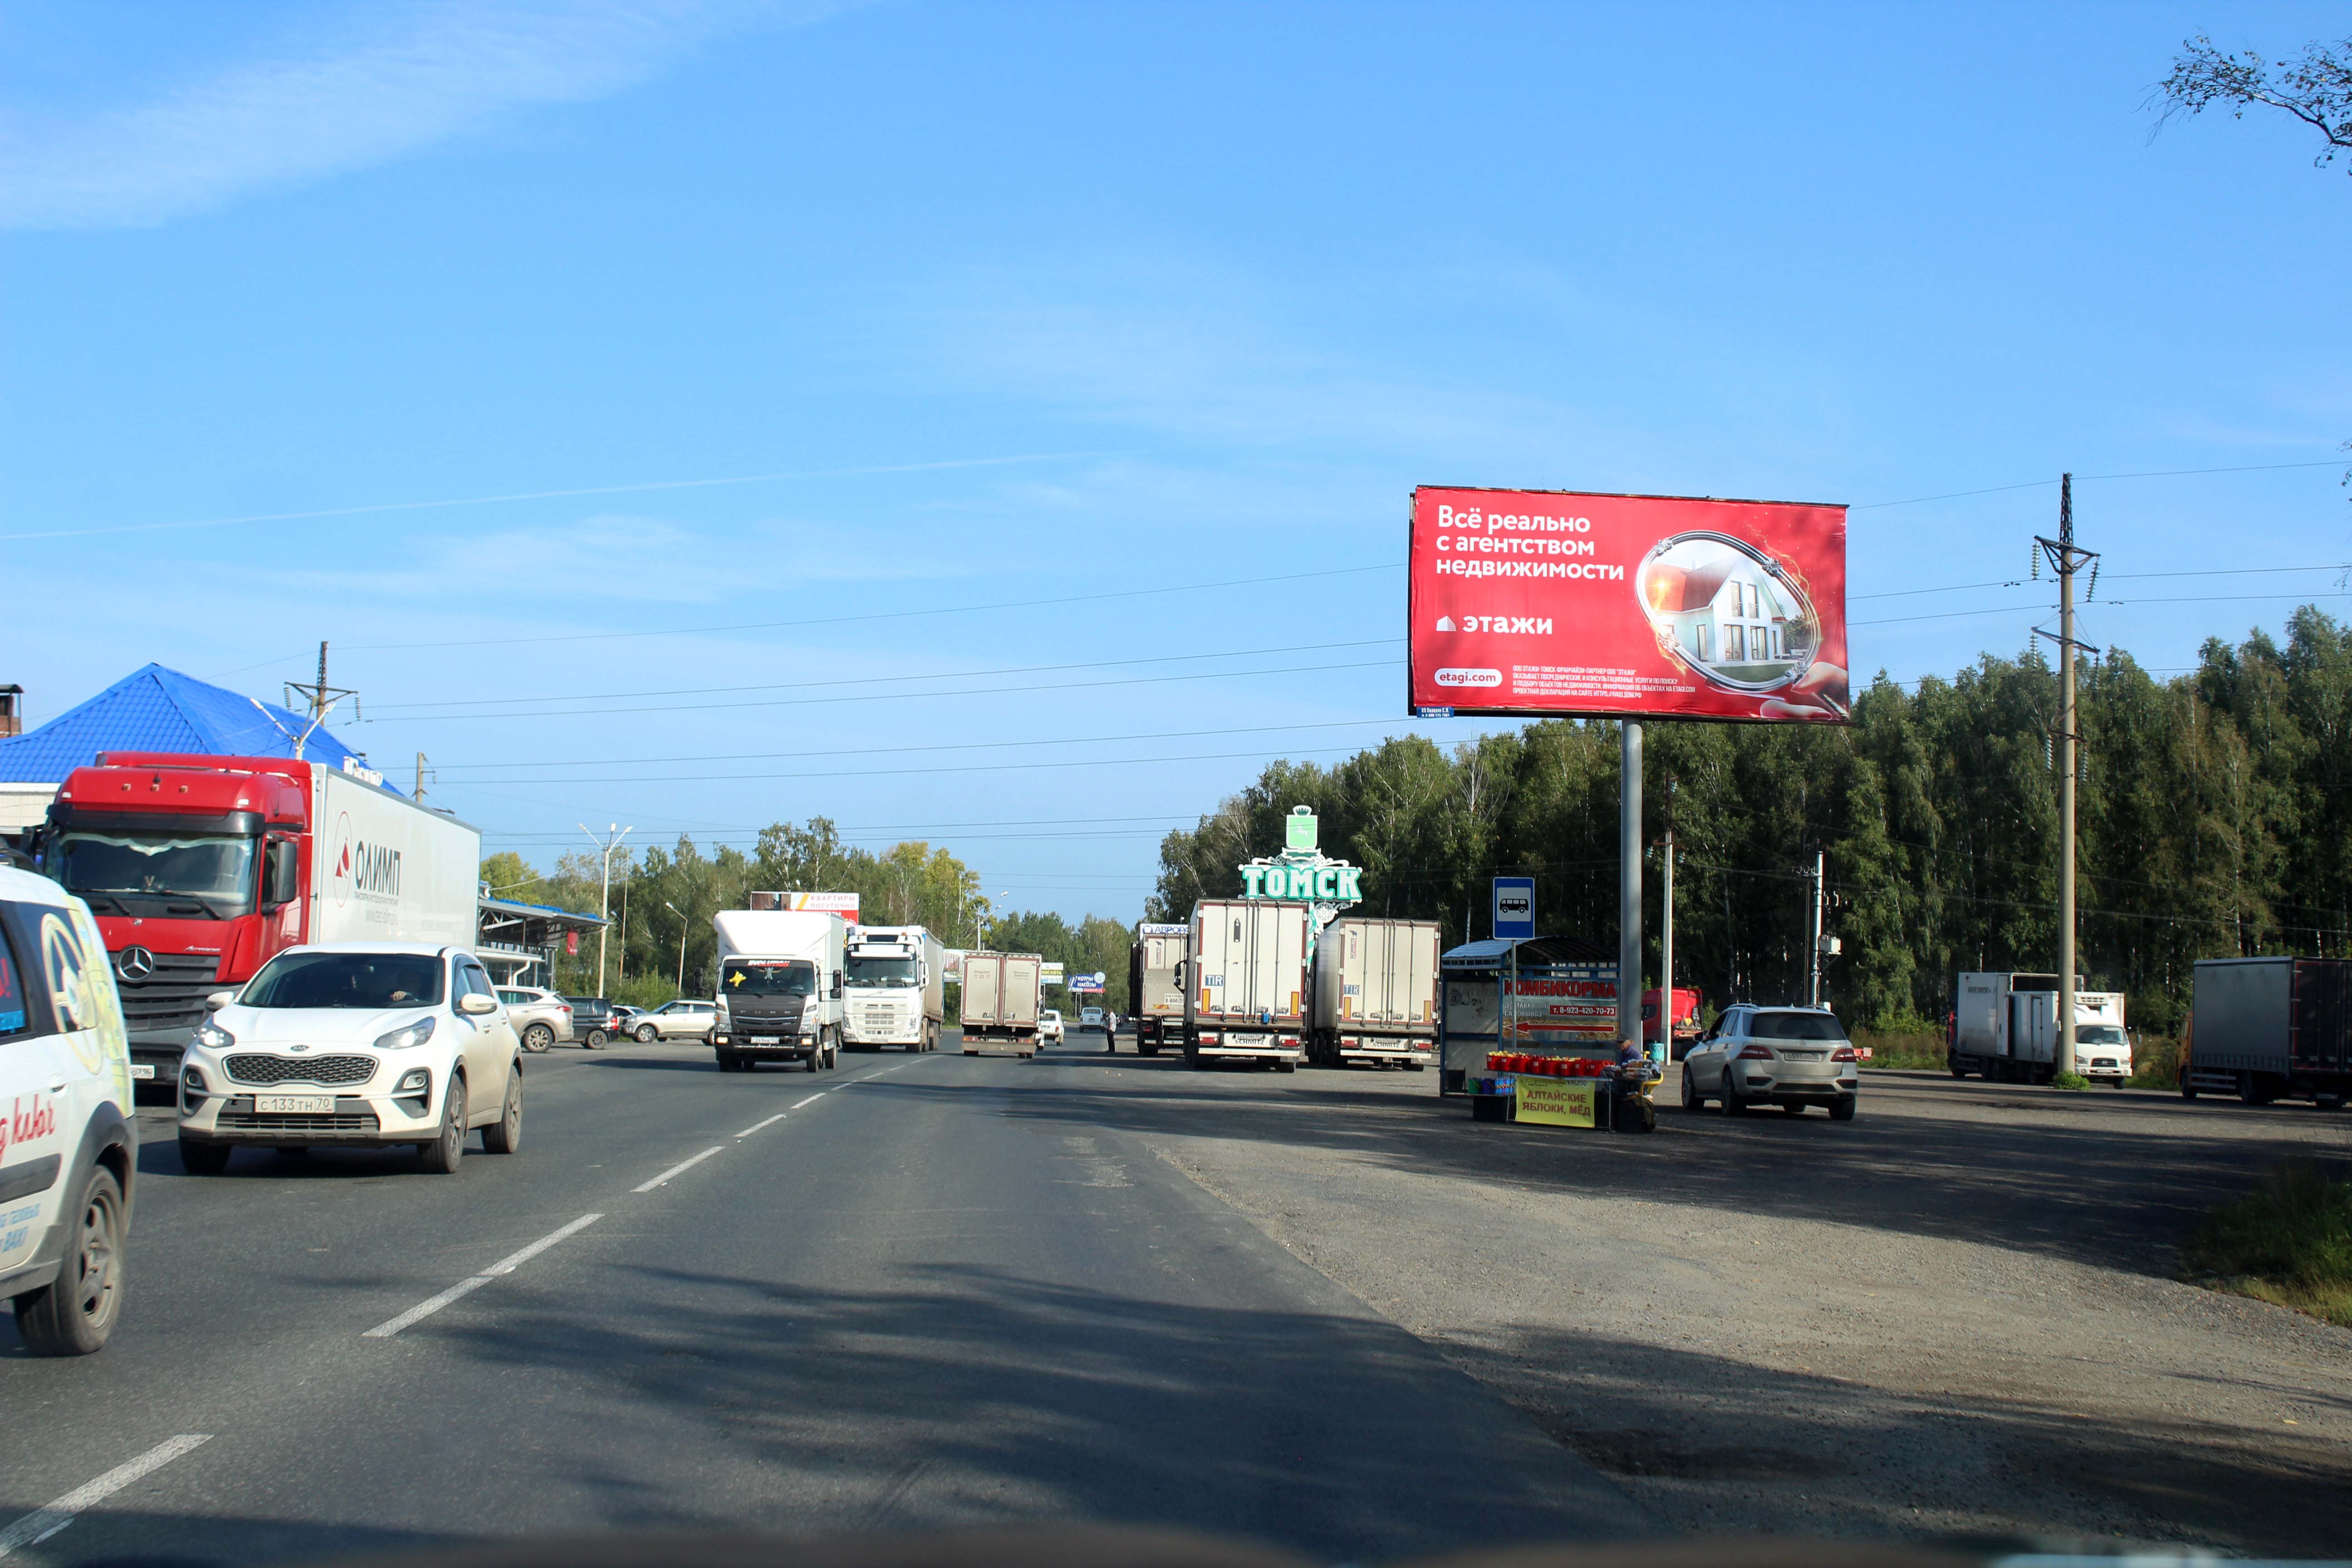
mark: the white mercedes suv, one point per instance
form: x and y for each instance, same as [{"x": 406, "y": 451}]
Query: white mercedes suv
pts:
[{"x": 354, "y": 1044}]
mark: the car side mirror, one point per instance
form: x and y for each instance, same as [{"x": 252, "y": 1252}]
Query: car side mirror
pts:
[
  {"x": 281, "y": 881},
  {"x": 218, "y": 1000},
  {"x": 477, "y": 1005}
]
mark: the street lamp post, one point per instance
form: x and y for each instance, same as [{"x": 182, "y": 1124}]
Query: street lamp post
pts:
[
  {"x": 681, "y": 943},
  {"x": 605, "y": 909}
]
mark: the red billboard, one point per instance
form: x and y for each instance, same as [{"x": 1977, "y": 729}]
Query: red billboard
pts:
[{"x": 1543, "y": 602}]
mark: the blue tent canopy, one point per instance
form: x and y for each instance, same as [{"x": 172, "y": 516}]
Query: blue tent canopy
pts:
[{"x": 160, "y": 710}]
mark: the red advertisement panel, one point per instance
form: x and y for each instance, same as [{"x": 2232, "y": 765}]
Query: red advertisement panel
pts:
[{"x": 1540, "y": 602}]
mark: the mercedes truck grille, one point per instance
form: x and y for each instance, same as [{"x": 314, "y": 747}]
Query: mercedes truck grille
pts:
[{"x": 172, "y": 996}]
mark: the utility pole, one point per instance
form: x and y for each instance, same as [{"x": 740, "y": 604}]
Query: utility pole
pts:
[
  {"x": 682, "y": 923},
  {"x": 320, "y": 699},
  {"x": 420, "y": 778},
  {"x": 2067, "y": 559},
  {"x": 1813, "y": 958},
  {"x": 608, "y": 845},
  {"x": 1629, "y": 882},
  {"x": 1666, "y": 937}
]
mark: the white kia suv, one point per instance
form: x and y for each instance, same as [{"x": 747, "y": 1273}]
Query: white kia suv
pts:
[
  {"x": 354, "y": 1044},
  {"x": 68, "y": 1143}
]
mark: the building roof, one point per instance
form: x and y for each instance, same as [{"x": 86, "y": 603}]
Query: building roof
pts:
[
  {"x": 160, "y": 710},
  {"x": 1673, "y": 590}
]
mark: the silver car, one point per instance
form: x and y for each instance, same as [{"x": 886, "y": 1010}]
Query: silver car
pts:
[
  {"x": 540, "y": 1018},
  {"x": 1787, "y": 1057},
  {"x": 681, "y": 1019}
]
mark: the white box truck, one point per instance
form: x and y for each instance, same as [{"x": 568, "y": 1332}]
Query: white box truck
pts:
[
  {"x": 897, "y": 993},
  {"x": 2005, "y": 1027},
  {"x": 1375, "y": 994},
  {"x": 1245, "y": 983},
  {"x": 999, "y": 1002},
  {"x": 781, "y": 979},
  {"x": 1155, "y": 984}
]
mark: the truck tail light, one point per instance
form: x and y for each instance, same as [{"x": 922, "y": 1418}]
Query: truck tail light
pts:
[
  {"x": 1844, "y": 1054},
  {"x": 1756, "y": 1054}
]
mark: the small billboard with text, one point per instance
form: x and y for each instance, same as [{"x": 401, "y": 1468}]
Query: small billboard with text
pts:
[{"x": 1530, "y": 603}]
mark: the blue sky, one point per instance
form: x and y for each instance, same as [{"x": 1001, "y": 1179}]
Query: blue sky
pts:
[{"x": 992, "y": 304}]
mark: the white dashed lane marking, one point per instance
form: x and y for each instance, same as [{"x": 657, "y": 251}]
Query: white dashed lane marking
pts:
[
  {"x": 506, "y": 1265},
  {"x": 42, "y": 1523}
]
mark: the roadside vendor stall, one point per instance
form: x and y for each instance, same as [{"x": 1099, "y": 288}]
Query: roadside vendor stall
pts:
[{"x": 1528, "y": 1032}]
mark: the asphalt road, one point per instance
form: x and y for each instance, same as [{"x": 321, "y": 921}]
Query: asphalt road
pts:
[{"x": 943, "y": 1291}]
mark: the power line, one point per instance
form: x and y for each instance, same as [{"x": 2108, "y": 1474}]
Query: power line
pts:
[
  {"x": 2144, "y": 474},
  {"x": 957, "y": 768}
]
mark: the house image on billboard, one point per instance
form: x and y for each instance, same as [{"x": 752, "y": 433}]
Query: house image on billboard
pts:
[{"x": 1728, "y": 614}]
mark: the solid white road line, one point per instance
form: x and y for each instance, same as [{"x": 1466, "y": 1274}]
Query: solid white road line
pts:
[
  {"x": 681, "y": 1165},
  {"x": 506, "y": 1265},
  {"x": 770, "y": 1121},
  {"x": 812, "y": 1100},
  {"x": 42, "y": 1523}
]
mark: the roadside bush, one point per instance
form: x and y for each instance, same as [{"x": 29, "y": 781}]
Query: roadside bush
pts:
[
  {"x": 2156, "y": 1062},
  {"x": 2073, "y": 1081},
  {"x": 1910, "y": 1050},
  {"x": 2288, "y": 1241}
]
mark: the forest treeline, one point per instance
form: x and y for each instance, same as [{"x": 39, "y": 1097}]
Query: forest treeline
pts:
[
  {"x": 661, "y": 896},
  {"x": 2215, "y": 819}
]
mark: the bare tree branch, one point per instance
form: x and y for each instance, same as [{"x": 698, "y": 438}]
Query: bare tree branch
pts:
[{"x": 2314, "y": 86}]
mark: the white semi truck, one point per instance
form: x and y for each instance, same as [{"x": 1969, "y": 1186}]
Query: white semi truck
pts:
[
  {"x": 896, "y": 992},
  {"x": 2005, "y": 1026},
  {"x": 1246, "y": 982},
  {"x": 1375, "y": 994},
  {"x": 999, "y": 1002},
  {"x": 781, "y": 983}
]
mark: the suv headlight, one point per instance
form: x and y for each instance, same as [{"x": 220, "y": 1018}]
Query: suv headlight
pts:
[
  {"x": 213, "y": 1037},
  {"x": 401, "y": 1039}
]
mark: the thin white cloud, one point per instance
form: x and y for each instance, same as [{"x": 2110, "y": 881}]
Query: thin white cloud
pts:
[{"x": 387, "y": 85}]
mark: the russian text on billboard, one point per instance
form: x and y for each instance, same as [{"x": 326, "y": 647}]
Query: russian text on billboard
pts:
[{"x": 1535, "y": 602}]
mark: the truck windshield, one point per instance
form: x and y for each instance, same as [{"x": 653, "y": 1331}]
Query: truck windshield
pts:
[
  {"x": 368, "y": 980},
  {"x": 207, "y": 875},
  {"x": 2098, "y": 1034},
  {"x": 755, "y": 977},
  {"x": 885, "y": 972}
]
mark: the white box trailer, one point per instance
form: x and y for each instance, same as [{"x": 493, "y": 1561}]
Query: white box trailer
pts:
[
  {"x": 1375, "y": 994},
  {"x": 2270, "y": 1028},
  {"x": 1155, "y": 984},
  {"x": 999, "y": 1002},
  {"x": 896, "y": 992},
  {"x": 1246, "y": 982},
  {"x": 2005, "y": 1026},
  {"x": 781, "y": 980}
]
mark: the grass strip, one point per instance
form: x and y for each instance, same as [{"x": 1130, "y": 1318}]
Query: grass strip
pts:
[{"x": 2289, "y": 1241}]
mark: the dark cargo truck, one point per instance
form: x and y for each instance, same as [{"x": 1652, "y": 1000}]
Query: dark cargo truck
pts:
[{"x": 2271, "y": 1029}]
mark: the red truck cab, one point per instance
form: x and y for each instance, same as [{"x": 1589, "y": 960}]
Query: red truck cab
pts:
[
  {"x": 1687, "y": 1003},
  {"x": 197, "y": 868}
]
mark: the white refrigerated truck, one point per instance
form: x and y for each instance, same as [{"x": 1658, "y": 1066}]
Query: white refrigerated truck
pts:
[
  {"x": 896, "y": 990},
  {"x": 2005, "y": 1025},
  {"x": 781, "y": 981},
  {"x": 1246, "y": 982},
  {"x": 1375, "y": 994},
  {"x": 999, "y": 1002}
]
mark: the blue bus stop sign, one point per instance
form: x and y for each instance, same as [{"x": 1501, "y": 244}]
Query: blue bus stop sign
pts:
[{"x": 1514, "y": 907}]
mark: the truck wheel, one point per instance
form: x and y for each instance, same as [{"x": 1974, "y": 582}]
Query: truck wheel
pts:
[
  {"x": 204, "y": 1159},
  {"x": 816, "y": 1058},
  {"x": 647, "y": 1034},
  {"x": 1959, "y": 1068},
  {"x": 536, "y": 1036},
  {"x": 2252, "y": 1090},
  {"x": 595, "y": 1040},
  {"x": 504, "y": 1136},
  {"x": 73, "y": 1313},
  {"x": 440, "y": 1157},
  {"x": 1147, "y": 1047},
  {"x": 1286, "y": 1067}
]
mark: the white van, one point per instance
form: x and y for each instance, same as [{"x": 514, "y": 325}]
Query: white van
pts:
[
  {"x": 358, "y": 1043},
  {"x": 68, "y": 1140}
]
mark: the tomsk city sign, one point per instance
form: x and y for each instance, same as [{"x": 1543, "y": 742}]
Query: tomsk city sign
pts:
[{"x": 1304, "y": 872}]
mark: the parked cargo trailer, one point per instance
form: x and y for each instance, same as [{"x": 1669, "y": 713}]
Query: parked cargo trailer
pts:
[
  {"x": 896, "y": 990},
  {"x": 2005, "y": 1026},
  {"x": 1374, "y": 997},
  {"x": 780, "y": 987},
  {"x": 1155, "y": 984},
  {"x": 2271, "y": 1029},
  {"x": 1246, "y": 982},
  {"x": 999, "y": 1002}
]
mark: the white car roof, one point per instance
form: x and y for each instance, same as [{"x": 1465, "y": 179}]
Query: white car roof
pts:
[
  {"x": 409, "y": 948},
  {"x": 31, "y": 888}
]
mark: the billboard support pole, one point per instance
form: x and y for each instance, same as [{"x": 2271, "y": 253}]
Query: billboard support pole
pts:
[
  {"x": 1666, "y": 936},
  {"x": 1629, "y": 884}
]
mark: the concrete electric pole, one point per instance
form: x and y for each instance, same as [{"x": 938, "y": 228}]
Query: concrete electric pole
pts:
[
  {"x": 2067, "y": 559},
  {"x": 605, "y": 908},
  {"x": 1813, "y": 959}
]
